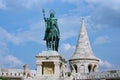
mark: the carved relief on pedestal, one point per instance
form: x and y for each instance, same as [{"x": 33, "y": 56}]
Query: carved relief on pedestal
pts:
[{"x": 48, "y": 68}]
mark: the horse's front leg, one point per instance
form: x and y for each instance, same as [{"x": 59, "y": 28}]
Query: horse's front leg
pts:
[
  {"x": 52, "y": 43},
  {"x": 47, "y": 44}
]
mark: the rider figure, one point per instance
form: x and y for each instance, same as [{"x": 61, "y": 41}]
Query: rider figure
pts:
[
  {"x": 51, "y": 26},
  {"x": 51, "y": 22}
]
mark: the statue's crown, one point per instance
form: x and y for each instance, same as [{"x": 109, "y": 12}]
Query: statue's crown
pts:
[{"x": 52, "y": 11}]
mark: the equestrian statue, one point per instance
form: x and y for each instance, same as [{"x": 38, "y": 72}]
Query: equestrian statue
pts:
[{"x": 52, "y": 34}]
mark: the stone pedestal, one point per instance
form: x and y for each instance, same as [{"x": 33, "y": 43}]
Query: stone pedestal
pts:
[{"x": 49, "y": 65}]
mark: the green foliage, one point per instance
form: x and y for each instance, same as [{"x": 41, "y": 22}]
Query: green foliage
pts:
[{"x": 4, "y": 78}]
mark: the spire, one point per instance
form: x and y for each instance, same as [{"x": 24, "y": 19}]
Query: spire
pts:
[{"x": 83, "y": 47}]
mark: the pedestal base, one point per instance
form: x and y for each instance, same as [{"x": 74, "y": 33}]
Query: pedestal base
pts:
[{"x": 50, "y": 66}]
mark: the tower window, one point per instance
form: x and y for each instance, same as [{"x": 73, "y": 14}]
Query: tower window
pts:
[
  {"x": 75, "y": 67},
  {"x": 89, "y": 68}
]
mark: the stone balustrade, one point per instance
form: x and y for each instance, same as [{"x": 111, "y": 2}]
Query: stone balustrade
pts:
[
  {"x": 13, "y": 73},
  {"x": 114, "y": 74}
]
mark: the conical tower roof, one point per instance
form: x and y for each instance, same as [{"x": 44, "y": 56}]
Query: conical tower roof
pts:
[{"x": 83, "y": 47}]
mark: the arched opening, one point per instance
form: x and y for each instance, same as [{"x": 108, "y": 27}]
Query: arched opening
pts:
[
  {"x": 61, "y": 65},
  {"x": 94, "y": 68},
  {"x": 6, "y": 74},
  {"x": 71, "y": 68},
  {"x": 15, "y": 74},
  {"x": 2, "y": 74},
  {"x": 28, "y": 75},
  {"x": 89, "y": 68},
  {"x": 75, "y": 67}
]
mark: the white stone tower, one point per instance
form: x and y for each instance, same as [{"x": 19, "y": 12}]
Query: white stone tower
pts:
[{"x": 83, "y": 60}]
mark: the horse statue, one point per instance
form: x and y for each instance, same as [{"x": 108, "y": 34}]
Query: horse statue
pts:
[{"x": 52, "y": 34}]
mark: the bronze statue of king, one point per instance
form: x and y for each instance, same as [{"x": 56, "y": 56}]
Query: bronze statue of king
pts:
[{"x": 52, "y": 33}]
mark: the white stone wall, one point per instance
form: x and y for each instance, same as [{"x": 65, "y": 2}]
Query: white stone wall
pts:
[
  {"x": 15, "y": 72},
  {"x": 82, "y": 65}
]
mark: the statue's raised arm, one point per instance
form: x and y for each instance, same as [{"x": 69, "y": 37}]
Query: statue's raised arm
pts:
[
  {"x": 43, "y": 11},
  {"x": 45, "y": 19},
  {"x": 52, "y": 34}
]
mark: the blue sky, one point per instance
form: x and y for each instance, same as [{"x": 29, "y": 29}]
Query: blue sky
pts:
[{"x": 22, "y": 29}]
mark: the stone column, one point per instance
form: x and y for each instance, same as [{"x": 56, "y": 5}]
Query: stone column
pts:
[
  {"x": 92, "y": 68},
  {"x": 39, "y": 69},
  {"x": 78, "y": 68},
  {"x": 96, "y": 68},
  {"x": 56, "y": 69},
  {"x": 86, "y": 68}
]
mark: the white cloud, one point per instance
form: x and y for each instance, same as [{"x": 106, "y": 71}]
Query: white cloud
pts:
[
  {"x": 32, "y": 3},
  {"x": 67, "y": 50},
  {"x": 2, "y": 4},
  {"x": 101, "y": 40},
  {"x": 6, "y": 36},
  {"x": 101, "y": 27},
  {"x": 115, "y": 4},
  {"x": 15, "y": 4},
  {"x": 69, "y": 26},
  {"x": 105, "y": 66},
  {"x": 33, "y": 34},
  {"x": 71, "y": 1},
  {"x": 103, "y": 12},
  {"x": 67, "y": 46},
  {"x": 6, "y": 59},
  {"x": 3, "y": 47},
  {"x": 108, "y": 3},
  {"x": 12, "y": 61}
]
